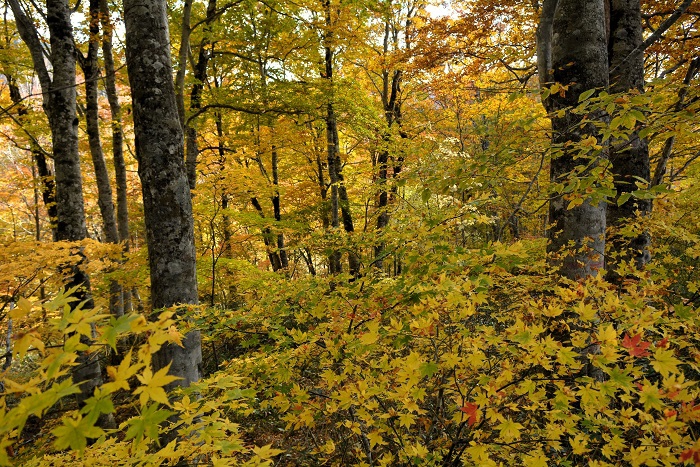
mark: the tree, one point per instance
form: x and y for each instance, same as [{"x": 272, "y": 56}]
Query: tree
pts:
[
  {"x": 339, "y": 193},
  {"x": 166, "y": 194},
  {"x": 117, "y": 136},
  {"x": 629, "y": 159},
  {"x": 578, "y": 61},
  {"x": 59, "y": 102},
  {"x": 91, "y": 71}
]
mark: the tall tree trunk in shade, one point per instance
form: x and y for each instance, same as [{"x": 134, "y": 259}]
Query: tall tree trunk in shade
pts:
[
  {"x": 166, "y": 193},
  {"x": 391, "y": 96},
  {"x": 59, "y": 103},
  {"x": 277, "y": 209},
  {"x": 544, "y": 42},
  {"x": 631, "y": 162},
  {"x": 339, "y": 203},
  {"x": 91, "y": 70},
  {"x": 579, "y": 60},
  {"x": 117, "y": 137}
]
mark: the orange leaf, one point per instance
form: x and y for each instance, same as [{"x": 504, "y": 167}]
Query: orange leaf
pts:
[
  {"x": 635, "y": 346},
  {"x": 472, "y": 410}
]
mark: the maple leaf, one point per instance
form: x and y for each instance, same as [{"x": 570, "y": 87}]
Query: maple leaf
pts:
[
  {"x": 74, "y": 433},
  {"x": 664, "y": 362},
  {"x": 472, "y": 410},
  {"x": 152, "y": 385},
  {"x": 635, "y": 346},
  {"x": 510, "y": 430},
  {"x": 120, "y": 375},
  {"x": 687, "y": 455}
]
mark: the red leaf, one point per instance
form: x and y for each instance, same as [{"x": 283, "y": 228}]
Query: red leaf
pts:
[
  {"x": 635, "y": 346},
  {"x": 472, "y": 410},
  {"x": 686, "y": 455}
]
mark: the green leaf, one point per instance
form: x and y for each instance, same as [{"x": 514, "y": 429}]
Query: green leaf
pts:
[
  {"x": 585, "y": 95},
  {"x": 425, "y": 195},
  {"x": 148, "y": 423},
  {"x": 623, "y": 198},
  {"x": 639, "y": 116},
  {"x": 620, "y": 378},
  {"x": 117, "y": 327},
  {"x": 510, "y": 430},
  {"x": 95, "y": 406},
  {"x": 428, "y": 369},
  {"x": 74, "y": 433}
]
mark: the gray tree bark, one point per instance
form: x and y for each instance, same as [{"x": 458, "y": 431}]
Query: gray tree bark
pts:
[
  {"x": 544, "y": 42},
  {"x": 91, "y": 71},
  {"x": 59, "y": 103},
  {"x": 117, "y": 137},
  {"x": 166, "y": 194},
  {"x": 631, "y": 162},
  {"x": 579, "y": 59}
]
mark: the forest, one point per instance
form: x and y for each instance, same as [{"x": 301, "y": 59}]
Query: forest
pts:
[{"x": 350, "y": 233}]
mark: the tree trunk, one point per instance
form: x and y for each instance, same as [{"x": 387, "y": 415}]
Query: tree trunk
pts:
[
  {"x": 91, "y": 70},
  {"x": 277, "y": 210},
  {"x": 200, "y": 76},
  {"x": 184, "y": 51},
  {"x": 60, "y": 106},
  {"x": 544, "y": 42},
  {"x": 339, "y": 193},
  {"x": 166, "y": 194},
  {"x": 579, "y": 60},
  {"x": 626, "y": 58},
  {"x": 268, "y": 238},
  {"x": 334, "y": 258},
  {"x": 117, "y": 137},
  {"x": 391, "y": 103}
]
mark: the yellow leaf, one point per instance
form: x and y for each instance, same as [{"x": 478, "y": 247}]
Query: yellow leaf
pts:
[
  {"x": 24, "y": 307},
  {"x": 31, "y": 338},
  {"x": 536, "y": 459},
  {"x": 585, "y": 311},
  {"x": 579, "y": 444},
  {"x": 266, "y": 452},
  {"x": 372, "y": 334},
  {"x": 607, "y": 334},
  {"x": 664, "y": 362},
  {"x": 175, "y": 335},
  {"x": 375, "y": 437},
  {"x": 152, "y": 385},
  {"x": 120, "y": 375},
  {"x": 510, "y": 430},
  {"x": 578, "y": 201}
]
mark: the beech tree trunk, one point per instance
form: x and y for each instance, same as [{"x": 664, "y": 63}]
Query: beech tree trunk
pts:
[
  {"x": 631, "y": 161},
  {"x": 166, "y": 193},
  {"x": 91, "y": 70},
  {"x": 579, "y": 60},
  {"x": 117, "y": 137},
  {"x": 59, "y": 103}
]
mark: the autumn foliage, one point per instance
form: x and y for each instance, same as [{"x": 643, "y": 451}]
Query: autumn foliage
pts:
[{"x": 405, "y": 313}]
